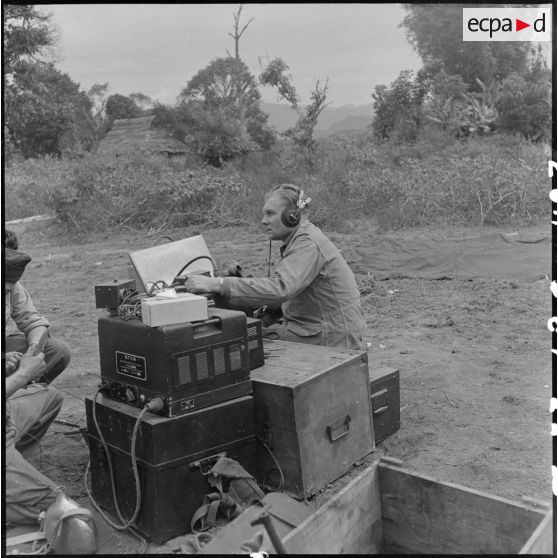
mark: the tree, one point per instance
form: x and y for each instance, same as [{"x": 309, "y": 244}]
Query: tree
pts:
[
  {"x": 524, "y": 106},
  {"x": 98, "y": 94},
  {"x": 434, "y": 31},
  {"x": 120, "y": 106},
  {"x": 398, "y": 109},
  {"x": 226, "y": 92},
  {"x": 237, "y": 34},
  {"x": 46, "y": 113},
  {"x": 302, "y": 133},
  {"x": 27, "y": 34},
  {"x": 142, "y": 101}
]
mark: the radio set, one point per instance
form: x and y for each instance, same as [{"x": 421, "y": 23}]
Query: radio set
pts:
[
  {"x": 182, "y": 349},
  {"x": 189, "y": 365}
]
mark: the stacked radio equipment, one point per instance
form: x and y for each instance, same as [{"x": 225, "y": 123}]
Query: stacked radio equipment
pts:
[{"x": 172, "y": 395}]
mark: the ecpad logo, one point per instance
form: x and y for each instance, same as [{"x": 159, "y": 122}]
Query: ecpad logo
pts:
[{"x": 507, "y": 24}]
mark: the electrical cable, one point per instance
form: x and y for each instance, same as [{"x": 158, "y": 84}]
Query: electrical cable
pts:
[
  {"x": 269, "y": 261},
  {"x": 155, "y": 404},
  {"x": 170, "y": 239},
  {"x": 202, "y": 257},
  {"x": 281, "y": 486},
  {"x": 155, "y": 286}
]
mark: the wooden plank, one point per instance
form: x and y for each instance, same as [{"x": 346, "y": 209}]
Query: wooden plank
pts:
[
  {"x": 349, "y": 523},
  {"x": 541, "y": 541},
  {"x": 422, "y": 515}
]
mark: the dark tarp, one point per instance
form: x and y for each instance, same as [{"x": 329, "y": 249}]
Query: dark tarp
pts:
[{"x": 495, "y": 256}]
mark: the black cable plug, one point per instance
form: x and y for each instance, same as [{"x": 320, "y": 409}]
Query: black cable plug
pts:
[{"x": 156, "y": 405}]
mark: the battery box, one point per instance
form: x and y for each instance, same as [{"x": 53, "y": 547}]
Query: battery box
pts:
[
  {"x": 173, "y": 456},
  {"x": 190, "y": 365}
]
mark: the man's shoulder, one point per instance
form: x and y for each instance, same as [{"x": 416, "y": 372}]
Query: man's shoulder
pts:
[{"x": 309, "y": 233}]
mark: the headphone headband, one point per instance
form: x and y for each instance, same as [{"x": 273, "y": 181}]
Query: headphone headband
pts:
[
  {"x": 301, "y": 203},
  {"x": 291, "y": 215}
]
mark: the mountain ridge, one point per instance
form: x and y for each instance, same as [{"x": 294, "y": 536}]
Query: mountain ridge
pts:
[{"x": 331, "y": 120}]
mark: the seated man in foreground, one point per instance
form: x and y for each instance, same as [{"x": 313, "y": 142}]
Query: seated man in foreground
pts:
[
  {"x": 30, "y": 323},
  {"x": 30, "y": 409},
  {"x": 313, "y": 284}
]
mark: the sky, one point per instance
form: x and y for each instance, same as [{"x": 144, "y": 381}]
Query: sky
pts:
[{"x": 156, "y": 49}]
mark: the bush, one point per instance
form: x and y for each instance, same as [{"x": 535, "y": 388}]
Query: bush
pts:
[
  {"x": 435, "y": 180},
  {"x": 30, "y": 185},
  {"x": 525, "y": 106},
  {"x": 101, "y": 193}
]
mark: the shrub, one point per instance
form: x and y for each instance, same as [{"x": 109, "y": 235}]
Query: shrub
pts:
[
  {"x": 524, "y": 107},
  {"x": 435, "y": 180}
]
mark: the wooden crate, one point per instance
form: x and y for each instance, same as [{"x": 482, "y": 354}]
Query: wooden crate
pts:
[
  {"x": 388, "y": 509},
  {"x": 386, "y": 401},
  {"x": 313, "y": 412}
]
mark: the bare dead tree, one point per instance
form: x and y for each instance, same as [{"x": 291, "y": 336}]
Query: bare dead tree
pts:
[
  {"x": 238, "y": 33},
  {"x": 302, "y": 133}
]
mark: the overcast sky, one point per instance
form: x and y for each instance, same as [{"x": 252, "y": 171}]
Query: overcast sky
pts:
[{"x": 156, "y": 48}]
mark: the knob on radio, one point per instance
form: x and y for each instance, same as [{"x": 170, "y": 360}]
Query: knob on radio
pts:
[{"x": 130, "y": 396}]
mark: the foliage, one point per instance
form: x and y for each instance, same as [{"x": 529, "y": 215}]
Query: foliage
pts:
[
  {"x": 120, "y": 106},
  {"x": 524, "y": 106},
  {"x": 98, "y": 94},
  {"x": 479, "y": 115},
  {"x": 440, "y": 180},
  {"x": 28, "y": 33},
  {"x": 445, "y": 102},
  {"x": 46, "y": 113},
  {"x": 144, "y": 102},
  {"x": 104, "y": 193},
  {"x": 220, "y": 107},
  {"x": 398, "y": 109},
  {"x": 302, "y": 133},
  {"x": 432, "y": 30},
  {"x": 436, "y": 180}
]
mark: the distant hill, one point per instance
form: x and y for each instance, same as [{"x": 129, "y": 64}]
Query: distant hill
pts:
[{"x": 331, "y": 120}]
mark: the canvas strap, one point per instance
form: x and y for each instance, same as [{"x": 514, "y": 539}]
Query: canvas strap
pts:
[{"x": 25, "y": 538}]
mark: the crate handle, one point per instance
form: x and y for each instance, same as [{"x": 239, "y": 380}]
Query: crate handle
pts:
[
  {"x": 378, "y": 393},
  {"x": 380, "y": 410},
  {"x": 338, "y": 429}
]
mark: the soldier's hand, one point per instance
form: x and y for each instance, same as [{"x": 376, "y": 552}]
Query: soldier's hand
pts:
[
  {"x": 199, "y": 284},
  {"x": 32, "y": 367},
  {"x": 12, "y": 360}
]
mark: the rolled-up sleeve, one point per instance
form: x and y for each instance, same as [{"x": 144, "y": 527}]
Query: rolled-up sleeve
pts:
[
  {"x": 23, "y": 311},
  {"x": 300, "y": 265}
]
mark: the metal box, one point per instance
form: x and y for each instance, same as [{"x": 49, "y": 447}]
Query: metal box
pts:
[
  {"x": 313, "y": 415},
  {"x": 188, "y": 365},
  {"x": 255, "y": 342},
  {"x": 169, "y": 453},
  {"x": 385, "y": 399}
]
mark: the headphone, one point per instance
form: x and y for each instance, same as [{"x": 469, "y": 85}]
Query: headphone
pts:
[{"x": 291, "y": 216}]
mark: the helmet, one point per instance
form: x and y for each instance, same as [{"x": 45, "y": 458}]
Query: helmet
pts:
[{"x": 69, "y": 528}]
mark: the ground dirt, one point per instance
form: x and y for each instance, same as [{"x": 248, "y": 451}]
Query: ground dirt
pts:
[{"x": 474, "y": 360}]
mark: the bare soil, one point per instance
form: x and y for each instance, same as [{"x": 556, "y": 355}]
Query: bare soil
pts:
[{"x": 474, "y": 359}]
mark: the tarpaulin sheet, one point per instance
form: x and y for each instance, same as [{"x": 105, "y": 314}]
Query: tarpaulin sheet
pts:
[{"x": 495, "y": 256}]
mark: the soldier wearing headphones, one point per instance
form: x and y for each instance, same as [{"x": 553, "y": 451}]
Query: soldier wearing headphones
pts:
[{"x": 312, "y": 284}]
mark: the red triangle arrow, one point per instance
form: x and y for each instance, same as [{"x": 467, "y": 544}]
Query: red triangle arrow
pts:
[{"x": 519, "y": 25}]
